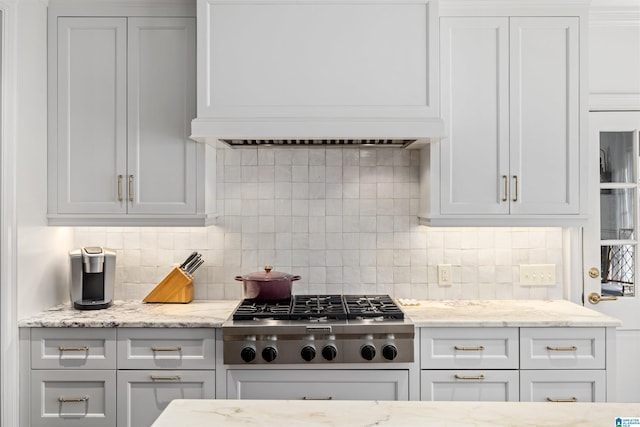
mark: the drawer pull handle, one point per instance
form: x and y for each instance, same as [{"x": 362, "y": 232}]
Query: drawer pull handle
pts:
[
  {"x": 176, "y": 348},
  {"x": 572, "y": 348},
  {"x": 63, "y": 348},
  {"x": 317, "y": 398},
  {"x": 571, "y": 400},
  {"x": 505, "y": 179},
  {"x": 73, "y": 399},
  {"x": 469, "y": 377},
  {"x": 478, "y": 348},
  {"x": 165, "y": 378}
]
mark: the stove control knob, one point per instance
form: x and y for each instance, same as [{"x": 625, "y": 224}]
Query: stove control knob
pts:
[
  {"x": 248, "y": 354},
  {"x": 269, "y": 354},
  {"x": 329, "y": 352},
  {"x": 389, "y": 352},
  {"x": 368, "y": 352},
  {"x": 308, "y": 353}
]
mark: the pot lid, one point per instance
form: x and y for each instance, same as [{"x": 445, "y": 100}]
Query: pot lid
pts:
[{"x": 268, "y": 275}]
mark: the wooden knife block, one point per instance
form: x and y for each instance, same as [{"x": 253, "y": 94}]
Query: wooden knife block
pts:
[{"x": 176, "y": 287}]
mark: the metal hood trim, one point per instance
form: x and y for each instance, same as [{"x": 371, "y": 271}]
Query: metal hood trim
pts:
[{"x": 418, "y": 130}]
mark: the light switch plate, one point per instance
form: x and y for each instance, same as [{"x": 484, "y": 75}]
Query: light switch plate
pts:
[{"x": 537, "y": 274}]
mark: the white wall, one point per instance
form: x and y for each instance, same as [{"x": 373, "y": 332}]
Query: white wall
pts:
[
  {"x": 344, "y": 219},
  {"x": 41, "y": 250}
]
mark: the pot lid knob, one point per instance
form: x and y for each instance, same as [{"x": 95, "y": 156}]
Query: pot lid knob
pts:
[{"x": 267, "y": 268}]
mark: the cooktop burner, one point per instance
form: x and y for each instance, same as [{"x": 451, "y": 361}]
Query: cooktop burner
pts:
[{"x": 313, "y": 307}]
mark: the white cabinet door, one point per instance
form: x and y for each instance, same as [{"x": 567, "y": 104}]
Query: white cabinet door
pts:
[
  {"x": 464, "y": 385},
  {"x": 161, "y": 92},
  {"x": 474, "y": 64},
  {"x": 545, "y": 131},
  {"x": 143, "y": 395},
  {"x": 67, "y": 398},
  {"x": 90, "y": 149},
  {"x": 318, "y": 384},
  {"x": 562, "y": 386}
]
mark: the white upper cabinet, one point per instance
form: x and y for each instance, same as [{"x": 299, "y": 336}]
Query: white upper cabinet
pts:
[
  {"x": 122, "y": 97},
  {"x": 614, "y": 55},
  {"x": 514, "y": 117},
  {"x": 317, "y": 69}
]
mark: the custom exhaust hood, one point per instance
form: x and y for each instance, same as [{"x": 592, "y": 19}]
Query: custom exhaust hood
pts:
[{"x": 317, "y": 72}]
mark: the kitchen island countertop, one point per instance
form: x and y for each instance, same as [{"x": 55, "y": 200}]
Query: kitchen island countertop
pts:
[{"x": 201, "y": 413}]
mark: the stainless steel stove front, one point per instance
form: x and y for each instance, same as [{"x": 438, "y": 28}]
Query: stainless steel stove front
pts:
[{"x": 277, "y": 342}]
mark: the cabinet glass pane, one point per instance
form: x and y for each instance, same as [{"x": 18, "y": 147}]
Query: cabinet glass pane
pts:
[
  {"x": 618, "y": 269},
  {"x": 616, "y": 157},
  {"x": 617, "y": 214}
]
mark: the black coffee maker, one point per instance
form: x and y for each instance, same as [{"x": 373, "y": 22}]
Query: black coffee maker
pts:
[{"x": 93, "y": 271}]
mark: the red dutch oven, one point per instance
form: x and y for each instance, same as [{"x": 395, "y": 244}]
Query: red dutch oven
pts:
[{"x": 267, "y": 285}]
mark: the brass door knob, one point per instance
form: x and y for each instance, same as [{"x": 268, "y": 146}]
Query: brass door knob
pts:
[
  {"x": 594, "y": 273},
  {"x": 595, "y": 298}
]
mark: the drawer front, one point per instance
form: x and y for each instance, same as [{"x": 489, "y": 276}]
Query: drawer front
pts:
[
  {"x": 562, "y": 386},
  {"x": 143, "y": 395},
  {"x": 562, "y": 348},
  {"x": 166, "y": 348},
  {"x": 74, "y": 348},
  {"x": 84, "y": 398},
  {"x": 462, "y": 385},
  {"x": 469, "y": 348},
  {"x": 318, "y": 385}
]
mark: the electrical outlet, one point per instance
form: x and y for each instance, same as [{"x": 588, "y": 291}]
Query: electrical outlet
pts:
[
  {"x": 444, "y": 274},
  {"x": 537, "y": 274}
]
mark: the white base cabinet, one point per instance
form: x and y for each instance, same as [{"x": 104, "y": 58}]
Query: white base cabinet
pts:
[
  {"x": 143, "y": 395},
  {"x": 470, "y": 385},
  {"x": 562, "y": 386},
  {"x": 318, "y": 384}
]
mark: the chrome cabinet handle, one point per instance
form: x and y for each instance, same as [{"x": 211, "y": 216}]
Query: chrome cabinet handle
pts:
[
  {"x": 469, "y": 377},
  {"x": 63, "y": 348},
  {"x": 119, "y": 188},
  {"x": 505, "y": 181},
  {"x": 479, "y": 348},
  {"x": 515, "y": 179},
  {"x": 570, "y": 400},
  {"x": 62, "y": 399},
  {"x": 317, "y": 398},
  {"x": 176, "y": 348},
  {"x": 131, "y": 188},
  {"x": 165, "y": 378},
  {"x": 572, "y": 348}
]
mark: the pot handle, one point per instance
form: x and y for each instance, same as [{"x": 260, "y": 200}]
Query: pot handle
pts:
[
  {"x": 239, "y": 278},
  {"x": 294, "y": 278}
]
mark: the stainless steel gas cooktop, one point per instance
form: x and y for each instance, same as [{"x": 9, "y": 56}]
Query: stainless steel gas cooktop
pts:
[{"x": 317, "y": 329}]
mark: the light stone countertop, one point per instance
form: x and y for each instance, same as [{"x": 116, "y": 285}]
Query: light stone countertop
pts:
[
  {"x": 135, "y": 314},
  {"x": 206, "y": 413},
  {"x": 505, "y": 313},
  {"x": 448, "y": 313}
]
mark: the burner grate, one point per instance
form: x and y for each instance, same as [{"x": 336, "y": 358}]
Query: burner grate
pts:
[
  {"x": 250, "y": 309},
  {"x": 372, "y": 306},
  {"x": 318, "y": 306}
]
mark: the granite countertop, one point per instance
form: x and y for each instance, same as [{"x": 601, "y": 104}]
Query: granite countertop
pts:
[
  {"x": 135, "y": 314},
  {"x": 206, "y": 413},
  {"x": 505, "y": 313},
  {"x": 449, "y": 313}
]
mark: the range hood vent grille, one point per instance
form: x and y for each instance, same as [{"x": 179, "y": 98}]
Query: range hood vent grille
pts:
[{"x": 319, "y": 142}]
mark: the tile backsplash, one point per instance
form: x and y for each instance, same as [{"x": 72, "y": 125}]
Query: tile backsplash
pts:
[{"x": 344, "y": 219}]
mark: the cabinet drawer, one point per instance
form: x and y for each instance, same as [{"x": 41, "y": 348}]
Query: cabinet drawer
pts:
[
  {"x": 162, "y": 348},
  {"x": 143, "y": 395},
  {"x": 318, "y": 384},
  {"x": 562, "y": 348},
  {"x": 84, "y": 398},
  {"x": 562, "y": 386},
  {"x": 462, "y": 385},
  {"x": 75, "y": 348},
  {"x": 469, "y": 348}
]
